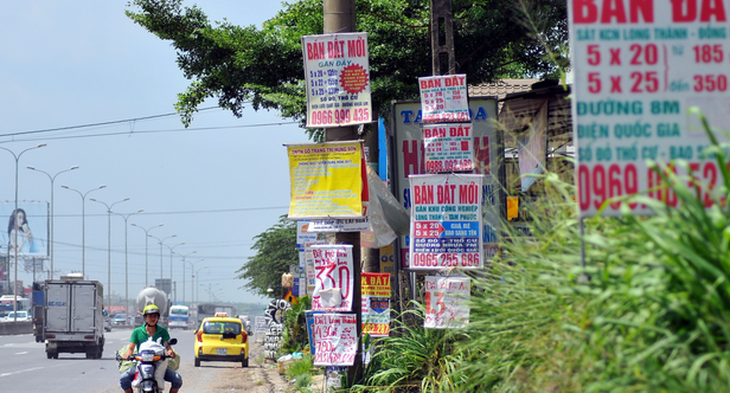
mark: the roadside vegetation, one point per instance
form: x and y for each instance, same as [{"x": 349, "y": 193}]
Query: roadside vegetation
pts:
[{"x": 650, "y": 311}]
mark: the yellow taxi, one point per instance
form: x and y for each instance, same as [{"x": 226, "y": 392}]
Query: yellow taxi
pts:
[{"x": 221, "y": 339}]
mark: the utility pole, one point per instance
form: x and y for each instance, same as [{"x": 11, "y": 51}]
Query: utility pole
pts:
[
  {"x": 339, "y": 17},
  {"x": 442, "y": 38}
]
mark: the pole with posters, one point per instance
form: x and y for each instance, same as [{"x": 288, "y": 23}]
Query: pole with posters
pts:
[{"x": 339, "y": 17}]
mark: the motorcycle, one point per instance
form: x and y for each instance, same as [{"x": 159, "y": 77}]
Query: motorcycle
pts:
[{"x": 151, "y": 366}]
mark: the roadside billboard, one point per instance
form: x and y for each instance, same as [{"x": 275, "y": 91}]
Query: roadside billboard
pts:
[
  {"x": 337, "y": 77},
  {"x": 409, "y": 159},
  {"x": 639, "y": 68},
  {"x": 32, "y": 229},
  {"x": 327, "y": 180}
]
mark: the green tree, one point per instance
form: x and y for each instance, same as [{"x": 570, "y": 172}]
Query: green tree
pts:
[
  {"x": 264, "y": 67},
  {"x": 276, "y": 250}
]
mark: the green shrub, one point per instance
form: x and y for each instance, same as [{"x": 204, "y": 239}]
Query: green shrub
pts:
[{"x": 412, "y": 358}]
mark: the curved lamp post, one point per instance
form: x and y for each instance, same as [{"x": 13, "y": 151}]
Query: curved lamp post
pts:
[
  {"x": 196, "y": 279},
  {"x": 109, "y": 247},
  {"x": 15, "y": 212},
  {"x": 172, "y": 251},
  {"x": 192, "y": 279},
  {"x": 83, "y": 222},
  {"x": 126, "y": 259},
  {"x": 51, "y": 241},
  {"x": 160, "y": 242},
  {"x": 146, "y": 242},
  {"x": 183, "y": 259}
]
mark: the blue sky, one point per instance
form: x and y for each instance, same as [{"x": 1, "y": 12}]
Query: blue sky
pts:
[{"x": 215, "y": 185}]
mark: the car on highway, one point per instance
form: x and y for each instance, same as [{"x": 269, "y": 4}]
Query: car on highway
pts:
[
  {"x": 23, "y": 316},
  {"x": 221, "y": 339},
  {"x": 119, "y": 319},
  {"x": 108, "y": 324}
]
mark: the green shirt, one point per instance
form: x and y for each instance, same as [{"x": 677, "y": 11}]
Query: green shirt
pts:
[{"x": 140, "y": 335}]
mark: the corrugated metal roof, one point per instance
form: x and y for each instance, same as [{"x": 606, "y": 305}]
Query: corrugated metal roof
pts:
[{"x": 502, "y": 87}]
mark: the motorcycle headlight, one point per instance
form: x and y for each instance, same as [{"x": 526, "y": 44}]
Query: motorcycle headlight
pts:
[{"x": 148, "y": 357}]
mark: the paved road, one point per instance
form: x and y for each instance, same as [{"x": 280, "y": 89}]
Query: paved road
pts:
[{"x": 25, "y": 368}]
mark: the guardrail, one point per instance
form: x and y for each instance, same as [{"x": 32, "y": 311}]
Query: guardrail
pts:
[{"x": 10, "y": 328}]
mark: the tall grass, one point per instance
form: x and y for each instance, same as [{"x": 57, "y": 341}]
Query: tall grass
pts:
[
  {"x": 412, "y": 358},
  {"x": 654, "y": 316}
]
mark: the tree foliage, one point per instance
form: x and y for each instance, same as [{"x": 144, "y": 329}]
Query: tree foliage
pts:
[
  {"x": 276, "y": 250},
  {"x": 242, "y": 65}
]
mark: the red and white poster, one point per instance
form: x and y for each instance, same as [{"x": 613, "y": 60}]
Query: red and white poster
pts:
[
  {"x": 337, "y": 77},
  {"x": 640, "y": 66},
  {"x": 375, "y": 304},
  {"x": 409, "y": 152},
  {"x": 446, "y": 222},
  {"x": 446, "y": 302},
  {"x": 335, "y": 339},
  {"x": 444, "y": 98},
  {"x": 448, "y": 147},
  {"x": 333, "y": 276}
]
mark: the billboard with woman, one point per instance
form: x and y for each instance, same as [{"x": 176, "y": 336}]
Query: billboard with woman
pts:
[{"x": 26, "y": 230}]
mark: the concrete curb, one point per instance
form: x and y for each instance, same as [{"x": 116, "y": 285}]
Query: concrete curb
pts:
[{"x": 11, "y": 328}]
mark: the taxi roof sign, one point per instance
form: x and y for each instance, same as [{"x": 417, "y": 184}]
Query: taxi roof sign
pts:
[{"x": 221, "y": 314}]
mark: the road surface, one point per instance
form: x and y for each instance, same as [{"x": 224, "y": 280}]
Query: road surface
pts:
[{"x": 24, "y": 367}]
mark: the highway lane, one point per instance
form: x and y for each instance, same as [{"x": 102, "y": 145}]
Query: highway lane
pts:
[{"x": 25, "y": 368}]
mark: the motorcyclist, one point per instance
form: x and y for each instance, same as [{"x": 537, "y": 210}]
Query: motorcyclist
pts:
[{"x": 151, "y": 314}]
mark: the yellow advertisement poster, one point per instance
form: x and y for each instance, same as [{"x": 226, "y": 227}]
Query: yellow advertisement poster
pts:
[{"x": 326, "y": 180}]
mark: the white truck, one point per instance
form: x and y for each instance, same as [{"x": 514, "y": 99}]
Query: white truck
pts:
[{"x": 73, "y": 320}]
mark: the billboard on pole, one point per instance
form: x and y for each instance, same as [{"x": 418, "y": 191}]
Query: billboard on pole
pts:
[
  {"x": 337, "y": 77},
  {"x": 639, "y": 68},
  {"x": 32, "y": 229},
  {"x": 409, "y": 158}
]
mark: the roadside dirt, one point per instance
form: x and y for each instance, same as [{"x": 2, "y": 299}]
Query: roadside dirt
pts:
[{"x": 260, "y": 377}]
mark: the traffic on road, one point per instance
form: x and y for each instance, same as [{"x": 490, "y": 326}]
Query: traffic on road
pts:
[{"x": 24, "y": 365}]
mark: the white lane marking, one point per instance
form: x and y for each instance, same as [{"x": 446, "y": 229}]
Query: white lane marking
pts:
[
  {"x": 21, "y": 371},
  {"x": 21, "y": 353}
]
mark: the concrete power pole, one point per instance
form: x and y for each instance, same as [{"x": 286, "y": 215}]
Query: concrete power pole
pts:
[
  {"x": 339, "y": 17},
  {"x": 442, "y": 38}
]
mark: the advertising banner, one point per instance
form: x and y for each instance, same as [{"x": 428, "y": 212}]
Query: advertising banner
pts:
[
  {"x": 340, "y": 225},
  {"x": 332, "y": 268},
  {"x": 31, "y": 226},
  {"x": 304, "y": 235},
  {"x": 639, "y": 68},
  {"x": 446, "y": 216},
  {"x": 532, "y": 152},
  {"x": 448, "y": 147},
  {"x": 409, "y": 159},
  {"x": 335, "y": 339},
  {"x": 337, "y": 77},
  {"x": 446, "y": 302},
  {"x": 444, "y": 98},
  {"x": 327, "y": 180},
  {"x": 375, "y": 304}
]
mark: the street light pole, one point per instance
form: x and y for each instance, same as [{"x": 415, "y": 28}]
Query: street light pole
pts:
[
  {"x": 160, "y": 242},
  {"x": 146, "y": 242},
  {"x": 83, "y": 222},
  {"x": 109, "y": 247},
  {"x": 15, "y": 220},
  {"x": 183, "y": 259},
  {"x": 196, "y": 274},
  {"x": 171, "y": 276},
  {"x": 51, "y": 245},
  {"x": 126, "y": 259},
  {"x": 192, "y": 278}
]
